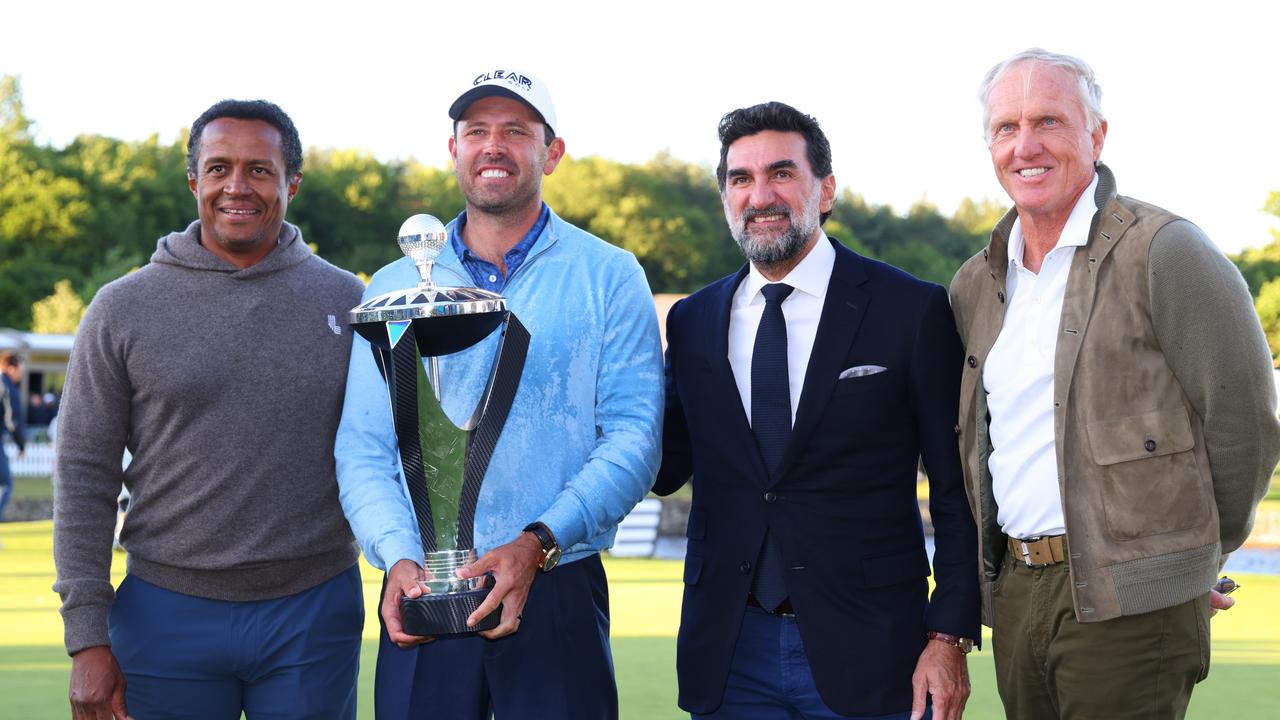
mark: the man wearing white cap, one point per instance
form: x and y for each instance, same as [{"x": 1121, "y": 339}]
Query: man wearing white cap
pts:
[{"x": 579, "y": 448}]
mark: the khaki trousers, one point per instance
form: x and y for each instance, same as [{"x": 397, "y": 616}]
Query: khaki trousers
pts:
[{"x": 1048, "y": 665}]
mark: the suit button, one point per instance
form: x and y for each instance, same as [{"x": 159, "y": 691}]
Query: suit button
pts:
[
  {"x": 745, "y": 567},
  {"x": 1001, "y": 296},
  {"x": 770, "y": 496},
  {"x": 1150, "y": 445},
  {"x": 973, "y": 361},
  {"x": 957, "y": 429}
]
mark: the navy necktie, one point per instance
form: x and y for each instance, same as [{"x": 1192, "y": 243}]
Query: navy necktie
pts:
[{"x": 771, "y": 423}]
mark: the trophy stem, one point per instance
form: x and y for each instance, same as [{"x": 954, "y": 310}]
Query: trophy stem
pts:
[{"x": 424, "y": 271}]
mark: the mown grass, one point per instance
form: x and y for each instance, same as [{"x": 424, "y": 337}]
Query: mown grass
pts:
[
  {"x": 36, "y": 488},
  {"x": 645, "y": 597}
]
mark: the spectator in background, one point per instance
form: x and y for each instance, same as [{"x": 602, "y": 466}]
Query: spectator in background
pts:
[
  {"x": 37, "y": 413},
  {"x": 50, "y": 408},
  {"x": 10, "y": 421}
]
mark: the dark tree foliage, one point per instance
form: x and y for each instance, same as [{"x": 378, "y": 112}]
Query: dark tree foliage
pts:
[{"x": 93, "y": 210}]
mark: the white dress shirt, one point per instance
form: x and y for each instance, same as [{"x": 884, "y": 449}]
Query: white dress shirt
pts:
[
  {"x": 1018, "y": 377},
  {"x": 802, "y": 310}
]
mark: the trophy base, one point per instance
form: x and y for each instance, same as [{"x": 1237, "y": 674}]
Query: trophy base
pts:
[{"x": 436, "y": 615}]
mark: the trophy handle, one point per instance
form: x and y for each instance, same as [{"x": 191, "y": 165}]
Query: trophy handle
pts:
[
  {"x": 400, "y": 365},
  {"x": 490, "y": 417}
]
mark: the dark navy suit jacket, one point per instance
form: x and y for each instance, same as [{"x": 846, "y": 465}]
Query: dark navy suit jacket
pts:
[{"x": 843, "y": 510}]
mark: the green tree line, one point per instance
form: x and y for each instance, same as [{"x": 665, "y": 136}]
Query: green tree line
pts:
[
  {"x": 73, "y": 218},
  {"x": 1261, "y": 269}
]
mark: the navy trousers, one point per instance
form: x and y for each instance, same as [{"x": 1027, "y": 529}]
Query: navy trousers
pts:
[
  {"x": 770, "y": 679},
  {"x": 558, "y": 665},
  {"x": 187, "y": 657}
]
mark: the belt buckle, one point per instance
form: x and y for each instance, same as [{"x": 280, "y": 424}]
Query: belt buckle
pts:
[{"x": 1026, "y": 551}]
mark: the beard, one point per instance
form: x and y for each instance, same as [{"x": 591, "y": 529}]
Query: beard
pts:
[
  {"x": 511, "y": 201},
  {"x": 764, "y": 250},
  {"x": 507, "y": 203}
]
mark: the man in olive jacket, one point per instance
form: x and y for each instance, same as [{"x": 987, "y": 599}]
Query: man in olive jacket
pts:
[{"x": 1117, "y": 415}]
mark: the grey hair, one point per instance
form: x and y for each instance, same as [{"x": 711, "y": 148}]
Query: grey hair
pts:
[{"x": 1086, "y": 84}]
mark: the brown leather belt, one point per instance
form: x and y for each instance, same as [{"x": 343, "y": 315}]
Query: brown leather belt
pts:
[
  {"x": 1040, "y": 551},
  {"x": 784, "y": 609}
]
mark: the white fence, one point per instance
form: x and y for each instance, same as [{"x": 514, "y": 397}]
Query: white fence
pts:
[
  {"x": 38, "y": 460},
  {"x": 638, "y": 532}
]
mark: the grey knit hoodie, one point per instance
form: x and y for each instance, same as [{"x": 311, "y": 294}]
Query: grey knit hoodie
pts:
[{"x": 226, "y": 386}]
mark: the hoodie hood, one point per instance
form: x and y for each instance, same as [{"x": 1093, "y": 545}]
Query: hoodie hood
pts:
[{"x": 184, "y": 250}]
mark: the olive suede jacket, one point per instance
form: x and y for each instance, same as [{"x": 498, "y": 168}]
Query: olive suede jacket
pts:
[{"x": 1165, "y": 422}]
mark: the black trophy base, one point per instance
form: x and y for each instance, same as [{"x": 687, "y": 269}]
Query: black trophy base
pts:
[{"x": 435, "y": 615}]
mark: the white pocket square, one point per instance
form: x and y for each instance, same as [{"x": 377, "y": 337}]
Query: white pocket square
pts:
[{"x": 862, "y": 370}]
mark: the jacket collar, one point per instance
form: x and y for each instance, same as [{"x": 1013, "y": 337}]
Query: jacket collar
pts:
[{"x": 997, "y": 252}]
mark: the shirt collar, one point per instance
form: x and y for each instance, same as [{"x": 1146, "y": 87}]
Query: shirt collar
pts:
[
  {"x": 811, "y": 276},
  {"x": 521, "y": 249},
  {"x": 1074, "y": 234}
]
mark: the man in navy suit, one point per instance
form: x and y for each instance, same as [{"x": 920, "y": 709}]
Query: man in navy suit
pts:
[{"x": 802, "y": 394}]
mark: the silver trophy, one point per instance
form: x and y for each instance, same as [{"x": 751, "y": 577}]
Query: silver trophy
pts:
[{"x": 444, "y": 464}]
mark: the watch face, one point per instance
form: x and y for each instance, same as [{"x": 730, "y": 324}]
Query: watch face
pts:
[{"x": 551, "y": 559}]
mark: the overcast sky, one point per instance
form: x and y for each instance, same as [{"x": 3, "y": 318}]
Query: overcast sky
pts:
[{"x": 1189, "y": 89}]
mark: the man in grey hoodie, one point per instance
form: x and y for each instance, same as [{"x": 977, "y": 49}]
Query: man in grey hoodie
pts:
[{"x": 221, "y": 367}]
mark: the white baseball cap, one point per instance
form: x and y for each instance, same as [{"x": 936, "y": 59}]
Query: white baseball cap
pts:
[{"x": 507, "y": 83}]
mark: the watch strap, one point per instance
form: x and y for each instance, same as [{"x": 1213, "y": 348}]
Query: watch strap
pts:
[
  {"x": 963, "y": 644},
  {"x": 547, "y": 539}
]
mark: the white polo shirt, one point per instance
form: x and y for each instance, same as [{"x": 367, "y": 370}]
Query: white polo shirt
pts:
[{"x": 1018, "y": 377}]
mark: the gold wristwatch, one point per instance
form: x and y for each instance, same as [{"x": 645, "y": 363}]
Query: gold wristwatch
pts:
[{"x": 550, "y": 548}]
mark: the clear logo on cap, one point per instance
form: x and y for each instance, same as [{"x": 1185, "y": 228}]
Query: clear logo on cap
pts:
[{"x": 510, "y": 77}]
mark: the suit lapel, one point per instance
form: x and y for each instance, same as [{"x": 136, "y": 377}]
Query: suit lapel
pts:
[
  {"x": 842, "y": 312},
  {"x": 723, "y": 385}
]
